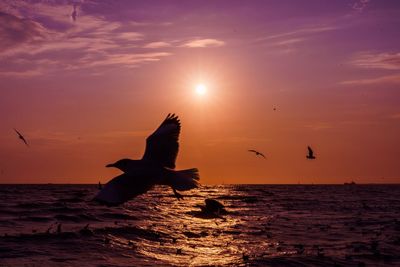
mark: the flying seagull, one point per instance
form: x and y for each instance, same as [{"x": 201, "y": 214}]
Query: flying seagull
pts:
[
  {"x": 20, "y": 136},
  {"x": 310, "y": 153},
  {"x": 256, "y": 152},
  {"x": 155, "y": 168},
  {"x": 74, "y": 14}
]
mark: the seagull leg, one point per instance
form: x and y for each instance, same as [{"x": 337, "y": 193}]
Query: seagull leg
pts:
[{"x": 178, "y": 196}]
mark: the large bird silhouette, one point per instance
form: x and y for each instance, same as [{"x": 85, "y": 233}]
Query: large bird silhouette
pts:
[{"x": 156, "y": 167}]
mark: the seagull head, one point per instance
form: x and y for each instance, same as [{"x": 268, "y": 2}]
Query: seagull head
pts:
[{"x": 122, "y": 164}]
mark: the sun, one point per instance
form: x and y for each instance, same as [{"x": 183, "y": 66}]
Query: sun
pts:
[{"x": 201, "y": 89}]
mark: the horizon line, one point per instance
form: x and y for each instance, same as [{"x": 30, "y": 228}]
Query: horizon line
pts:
[{"x": 345, "y": 183}]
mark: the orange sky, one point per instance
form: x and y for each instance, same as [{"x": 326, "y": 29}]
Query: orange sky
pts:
[{"x": 88, "y": 92}]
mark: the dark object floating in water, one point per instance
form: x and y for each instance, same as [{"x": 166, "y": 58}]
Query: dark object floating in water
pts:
[
  {"x": 214, "y": 206},
  {"x": 352, "y": 183},
  {"x": 86, "y": 231},
  {"x": 212, "y": 209}
]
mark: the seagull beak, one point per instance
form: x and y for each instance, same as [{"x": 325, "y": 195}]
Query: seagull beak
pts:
[{"x": 109, "y": 165}]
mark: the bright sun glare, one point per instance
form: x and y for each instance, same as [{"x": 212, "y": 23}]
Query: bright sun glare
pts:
[{"x": 201, "y": 89}]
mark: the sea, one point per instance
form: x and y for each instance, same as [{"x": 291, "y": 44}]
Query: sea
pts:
[{"x": 263, "y": 225}]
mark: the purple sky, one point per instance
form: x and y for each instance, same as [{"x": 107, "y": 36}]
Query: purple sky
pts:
[{"x": 86, "y": 88}]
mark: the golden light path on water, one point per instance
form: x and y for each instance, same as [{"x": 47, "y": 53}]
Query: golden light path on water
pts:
[
  {"x": 264, "y": 225},
  {"x": 200, "y": 239},
  {"x": 197, "y": 239}
]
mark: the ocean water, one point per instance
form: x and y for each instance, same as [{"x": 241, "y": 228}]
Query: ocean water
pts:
[{"x": 265, "y": 225}]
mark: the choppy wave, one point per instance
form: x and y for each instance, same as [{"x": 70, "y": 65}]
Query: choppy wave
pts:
[{"x": 264, "y": 225}]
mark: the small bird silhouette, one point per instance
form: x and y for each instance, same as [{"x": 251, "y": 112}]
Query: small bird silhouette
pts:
[
  {"x": 256, "y": 152},
  {"x": 74, "y": 14},
  {"x": 20, "y": 136},
  {"x": 310, "y": 153}
]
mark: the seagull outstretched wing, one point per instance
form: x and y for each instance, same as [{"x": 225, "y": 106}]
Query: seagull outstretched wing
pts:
[
  {"x": 162, "y": 146},
  {"x": 123, "y": 188},
  {"x": 20, "y": 136},
  {"x": 257, "y": 153}
]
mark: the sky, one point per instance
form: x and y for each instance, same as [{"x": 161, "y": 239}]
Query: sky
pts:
[{"x": 87, "y": 81}]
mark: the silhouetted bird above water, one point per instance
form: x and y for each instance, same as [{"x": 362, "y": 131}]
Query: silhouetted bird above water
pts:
[
  {"x": 20, "y": 136},
  {"x": 310, "y": 153},
  {"x": 155, "y": 167},
  {"x": 256, "y": 152}
]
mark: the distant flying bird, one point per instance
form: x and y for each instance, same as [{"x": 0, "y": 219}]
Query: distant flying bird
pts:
[
  {"x": 74, "y": 13},
  {"x": 20, "y": 136},
  {"x": 256, "y": 152},
  {"x": 310, "y": 153},
  {"x": 155, "y": 168}
]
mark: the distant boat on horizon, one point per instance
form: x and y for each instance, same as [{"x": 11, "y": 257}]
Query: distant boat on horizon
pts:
[{"x": 352, "y": 183}]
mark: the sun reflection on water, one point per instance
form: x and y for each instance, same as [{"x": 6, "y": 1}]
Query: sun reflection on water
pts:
[
  {"x": 190, "y": 237},
  {"x": 264, "y": 225}
]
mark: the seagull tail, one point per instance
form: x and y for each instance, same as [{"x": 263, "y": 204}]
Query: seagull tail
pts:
[{"x": 184, "y": 179}]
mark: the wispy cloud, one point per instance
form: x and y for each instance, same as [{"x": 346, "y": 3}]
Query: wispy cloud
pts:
[
  {"x": 15, "y": 31},
  {"x": 389, "y": 61},
  {"x": 299, "y": 32},
  {"x": 286, "y": 42},
  {"x": 157, "y": 45},
  {"x": 360, "y": 5},
  {"x": 389, "y": 79},
  {"x": 21, "y": 74},
  {"x": 41, "y": 37},
  {"x": 28, "y": 34},
  {"x": 128, "y": 60},
  {"x": 199, "y": 43}
]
